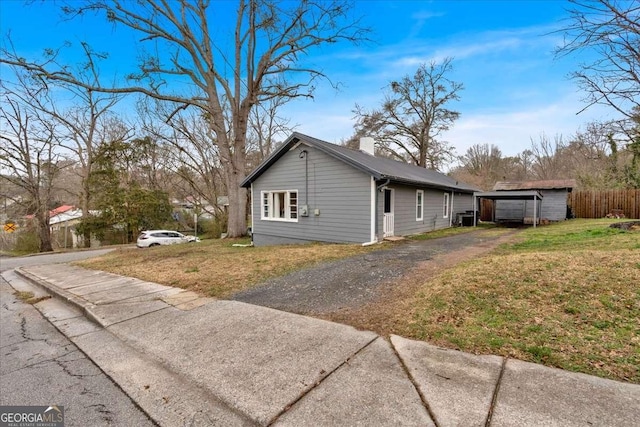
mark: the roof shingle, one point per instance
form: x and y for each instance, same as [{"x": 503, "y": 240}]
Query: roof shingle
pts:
[
  {"x": 379, "y": 167},
  {"x": 551, "y": 184}
]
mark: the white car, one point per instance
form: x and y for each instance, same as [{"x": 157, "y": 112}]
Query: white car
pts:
[{"x": 150, "y": 238}]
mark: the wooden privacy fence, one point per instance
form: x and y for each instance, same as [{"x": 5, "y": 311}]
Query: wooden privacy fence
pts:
[{"x": 599, "y": 203}]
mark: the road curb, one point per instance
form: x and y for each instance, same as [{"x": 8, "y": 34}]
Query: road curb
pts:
[{"x": 83, "y": 305}]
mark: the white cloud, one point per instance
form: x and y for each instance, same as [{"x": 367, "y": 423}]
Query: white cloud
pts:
[{"x": 513, "y": 130}]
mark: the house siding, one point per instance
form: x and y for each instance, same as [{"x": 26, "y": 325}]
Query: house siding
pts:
[
  {"x": 511, "y": 210},
  {"x": 554, "y": 204},
  {"x": 404, "y": 210},
  {"x": 341, "y": 194},
  {"x": 462, "y": 202},
  {"x": 553, "y": 207}
]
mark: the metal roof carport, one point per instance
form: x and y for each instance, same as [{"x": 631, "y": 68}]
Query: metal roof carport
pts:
[{"x": 509, "y": 195}]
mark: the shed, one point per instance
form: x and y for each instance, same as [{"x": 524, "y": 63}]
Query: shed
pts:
[
  {"x": 513, "y": 204},
  {"x": 532, "y": 197},
  {"x": 311, "y": 190}
]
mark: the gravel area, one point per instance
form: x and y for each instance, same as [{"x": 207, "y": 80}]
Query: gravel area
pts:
[{"x": 353, "y": 282}]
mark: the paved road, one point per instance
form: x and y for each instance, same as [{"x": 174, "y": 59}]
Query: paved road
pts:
[
  {"x": 9, "y": 263},
  {"x": 40, "y": 366}
]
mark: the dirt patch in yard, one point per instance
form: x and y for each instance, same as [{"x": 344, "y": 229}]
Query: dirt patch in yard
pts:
[
  {"x": 388, "y": 311},
  {"x": 629, "y": 225},
  {"x": 351, "y": 290}
]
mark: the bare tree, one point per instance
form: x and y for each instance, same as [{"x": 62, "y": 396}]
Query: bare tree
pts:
[
  {"x": 523, "y": 164},
  {"x": 548, "y": 159},
  {"x": 268, "y": 47},
  {"x": 27, "y": 150},
  {"x": 589, "y": 156},
  {"x": 486, "y": 163},
  {"x": 266, "y": 126},
  {"x": 611, "y": 30},
  {"x": 191, "y": 153},
  {"x": 84, "y": 125},
  {"x": 413, "y": 116}
]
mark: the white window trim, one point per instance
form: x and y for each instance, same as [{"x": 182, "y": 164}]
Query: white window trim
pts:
[
  {"x": 421, "y": 204},
  {"x": 287, "y": 206},
  {"x": 445, "y": 206}
]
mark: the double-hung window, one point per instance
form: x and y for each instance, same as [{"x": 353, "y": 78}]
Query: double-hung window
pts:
[
  {"x": 280, "y": 205},
  {"x": 419, "y": 204}
]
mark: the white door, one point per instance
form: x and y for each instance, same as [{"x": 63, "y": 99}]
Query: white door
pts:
[{"x": 387, "y": 228}]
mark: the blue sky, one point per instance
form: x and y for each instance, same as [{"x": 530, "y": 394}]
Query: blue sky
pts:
[{"x": 502, "y": 52}]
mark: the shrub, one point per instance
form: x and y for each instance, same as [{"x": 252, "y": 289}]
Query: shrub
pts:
[{"x": 27, "y": 242}]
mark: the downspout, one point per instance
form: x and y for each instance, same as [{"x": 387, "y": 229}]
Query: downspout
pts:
[
  {"x": 475, "y": 220},
  {"x": 384, "y": 184},
  {"x": 378, "y": 191},
  {"x": 253, "y": 218},
  {"x": 451, "y": 210},
  {"x": 374, "y": 210},
  {"x": 303, "y": 154}
]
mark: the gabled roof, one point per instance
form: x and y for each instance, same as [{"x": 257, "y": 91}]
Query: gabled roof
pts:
[
  {"x": 508, "y": 195},
  {"x": 67, "y": 215},
  {"x": 534, "y": 185},
  {"x": 61, "y": 209},
  {"x": 378, "y": 167}
]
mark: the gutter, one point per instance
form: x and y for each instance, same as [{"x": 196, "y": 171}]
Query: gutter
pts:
[{"x": 374, "y": 209}]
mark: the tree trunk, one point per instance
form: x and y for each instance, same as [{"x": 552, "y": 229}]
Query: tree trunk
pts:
[
  {"x": 237, "y": 225},
  {"x": 44, "y": 234},
  {"x": 84, "y": 205}
]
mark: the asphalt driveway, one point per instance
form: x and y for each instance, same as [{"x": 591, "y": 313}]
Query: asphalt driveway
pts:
[{"x": 353, "y": 282}]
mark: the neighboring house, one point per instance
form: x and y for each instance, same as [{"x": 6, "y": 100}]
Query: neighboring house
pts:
[
  {"x": 63, "y": 221},
  {"x": 311, "y": 190},
  {"x": 552, "y": 205},
  {"x": 205, "y": 210}
]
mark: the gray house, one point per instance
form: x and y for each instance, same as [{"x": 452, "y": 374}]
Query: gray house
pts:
[
  {"x": 311, "y": 190},
  {"x": 551, "y": 203}
]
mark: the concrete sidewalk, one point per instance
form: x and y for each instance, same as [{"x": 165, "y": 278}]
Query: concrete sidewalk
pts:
[{"x": 188, "y": 360}]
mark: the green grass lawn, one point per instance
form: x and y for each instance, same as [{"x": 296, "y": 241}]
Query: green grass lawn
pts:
[
  {"x": 565, "y": 295},
  {"x": 217, "y": 268}
]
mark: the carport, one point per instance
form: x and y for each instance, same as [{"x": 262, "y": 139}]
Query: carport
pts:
[{"x": 509, "y": 195}]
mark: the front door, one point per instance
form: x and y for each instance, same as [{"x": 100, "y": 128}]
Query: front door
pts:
[{"x": 387, "y": 228}]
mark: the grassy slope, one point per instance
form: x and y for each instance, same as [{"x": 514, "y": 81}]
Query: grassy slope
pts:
[{"x": 566, "y": 295}]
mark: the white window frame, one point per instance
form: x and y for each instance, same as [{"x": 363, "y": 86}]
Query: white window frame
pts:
[
  {"x": 445, "y": 206},
  {"x": 270, "y": 203},
  {"x": 420, "y": 204}
]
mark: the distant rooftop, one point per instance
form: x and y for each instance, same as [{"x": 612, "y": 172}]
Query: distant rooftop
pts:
[{"x": 551, "y": 184}]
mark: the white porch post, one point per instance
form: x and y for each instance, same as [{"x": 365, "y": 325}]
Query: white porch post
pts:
[
  {"x": 373, "y": 210},
  {"x": 253, "y": 218},
  {"x": 475, "y": 222},
  {"x": 451, "y": 211}
]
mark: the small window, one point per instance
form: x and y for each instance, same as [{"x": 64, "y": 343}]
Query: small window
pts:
[
  {"x": 445, "y": 206},
  {"x": 293, "y": 205},
  {"x": 419, "y": 204},
  {"x": 265, "y": 205},
  {"x": 280, "y": 205}
]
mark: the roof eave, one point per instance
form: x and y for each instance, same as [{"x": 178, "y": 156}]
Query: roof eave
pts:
[
  {"x": 427, "y": 184},
  {"x": 287, "y": 145}
]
